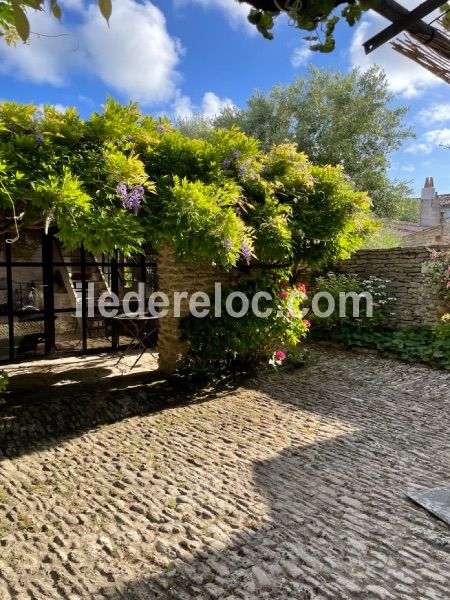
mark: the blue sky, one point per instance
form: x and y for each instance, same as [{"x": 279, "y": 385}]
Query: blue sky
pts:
[{"x": 184, "y": 56}]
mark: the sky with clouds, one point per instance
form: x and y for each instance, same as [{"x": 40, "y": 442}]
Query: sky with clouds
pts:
[{"x": 184, "y": 56}]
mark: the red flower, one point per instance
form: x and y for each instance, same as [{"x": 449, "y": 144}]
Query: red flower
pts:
[
  {"x": 302, "y": 287},
  {"x": 307, "y": 323},
  {"x": 283, "y": 284},
  {"x": 283, "y": 294}
]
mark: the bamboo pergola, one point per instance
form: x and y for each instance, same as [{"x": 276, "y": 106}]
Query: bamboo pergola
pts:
[
  {"x": 430, "y": 58},
  {"x": 428, "y": 44}
]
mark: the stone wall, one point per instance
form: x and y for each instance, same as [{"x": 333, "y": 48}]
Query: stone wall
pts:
[
  {"x": 177, "y": 276},
  {"x": 416, "y": 303}
]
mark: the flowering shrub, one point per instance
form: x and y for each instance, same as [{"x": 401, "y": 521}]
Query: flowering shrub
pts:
[
  {"x": 348, "y": 327},
  {"x": 437, "y": 273},
  {"x": 120, "y": 179},
  {"x": 223, "y": 344},
  {"x": 425, "y": 343}
]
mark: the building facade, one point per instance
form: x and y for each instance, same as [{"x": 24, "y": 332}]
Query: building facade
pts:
[{"x": 434, "y": 225}]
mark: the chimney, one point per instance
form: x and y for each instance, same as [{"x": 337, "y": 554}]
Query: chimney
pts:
[{"x": 430, "y": 206}]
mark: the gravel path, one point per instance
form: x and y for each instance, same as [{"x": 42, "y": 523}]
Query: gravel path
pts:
[{"x": 290, "y": 487}]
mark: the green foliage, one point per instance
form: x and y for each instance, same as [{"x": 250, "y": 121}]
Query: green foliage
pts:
[
  {"x": 384, "y": 236},
  {"x": 445, "y": 18},
  {"x": 341, "y": 328},
  {"x": 195, "y": 127},
  {"x": 220, "y": 345},
  {"x": 437, "y": 273},
  {"x": 206, "y": 214},
  {"x": 406, "y": 208},
  {"x": 425, "y": 343},
  {"x": 320, "y": 239},
  {"x": 311, "y": 15},
  {"x": 14, "y": 23},
  {"x": 334, "y": 118},
  {"x": 3, "y": 381},
  {"x": 421, "y": 343},
  {"x": 121, "y": 179}
]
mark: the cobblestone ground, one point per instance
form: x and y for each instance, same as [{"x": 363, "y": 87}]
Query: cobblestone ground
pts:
[{"x": 291, "y": 486}]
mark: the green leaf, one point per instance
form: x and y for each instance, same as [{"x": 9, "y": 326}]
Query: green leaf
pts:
[
  {"x": 36, "y": 4},
  {"x": 21, "y": 22},
  {"x": 105, "y": 8},
  {"x": 56, "y": 10}
]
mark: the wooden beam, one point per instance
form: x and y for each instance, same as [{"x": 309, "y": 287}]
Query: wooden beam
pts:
[
  {"x": 402, "y": 24},
  {"x": 421, "y": 31}
]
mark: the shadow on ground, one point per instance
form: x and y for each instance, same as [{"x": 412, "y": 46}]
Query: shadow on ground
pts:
[
  {"x": 30, "y": 420},
  {"x": 320, "y": 513}
]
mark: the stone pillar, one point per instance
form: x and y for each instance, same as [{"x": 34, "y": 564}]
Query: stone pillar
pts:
[
  {"x": 178, "y": 276},
  {"x": 170, "y": 349}
]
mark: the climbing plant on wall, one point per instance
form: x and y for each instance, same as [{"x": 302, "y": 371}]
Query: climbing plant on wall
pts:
[{"x": 122, "y": 178}]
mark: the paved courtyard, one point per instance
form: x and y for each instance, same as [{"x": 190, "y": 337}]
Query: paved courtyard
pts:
[{"x": 290, "y": 486}]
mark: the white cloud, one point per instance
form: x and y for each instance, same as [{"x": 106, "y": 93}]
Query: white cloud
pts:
[
  {"x": 135, "y": 56},
  {"x": 436, "y": 113},
  {"x": 430, "y": 140},
  {"x": 404, "y": 75},
  {"x": 235, "y": 12},
  {"x": 59, "y": 107},
  {"x": 43, "y": 59},
  {"x": 418, "y": 148},
  {"x": 211, "y": 105},
  {"x": 438, "y": 137},
  {"x": 301, "y": 56},
  {"x": 182, "y": 107}
]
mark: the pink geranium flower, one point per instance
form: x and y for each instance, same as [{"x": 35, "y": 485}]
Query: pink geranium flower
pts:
[
  {"x": 307, "y": 323},
  {"x": 283, "y": 294},
  {"x": 280, "y": 355},
  {"x": 302, "y": 287}
]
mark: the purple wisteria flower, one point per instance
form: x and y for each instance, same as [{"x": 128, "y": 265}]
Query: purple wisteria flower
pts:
[
  {"x": 131, "y": 200},
  {"x": 246, "y": 252},
  {"x": 39, "y": 138},
  {"x": 226, "y": 163},
  {"x": 135, "y": 198},
  {"x": 160, "y": 129},
  {"x": 236, "y": 153},
  {"x": 228, "y": 243},
  {"x": 241, "y": 170},
  {"x": 237, "y": 210},
  {"x": 122, "y": 190}
]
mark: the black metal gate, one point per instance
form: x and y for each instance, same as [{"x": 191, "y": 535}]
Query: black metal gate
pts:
[{"x": 44, "y": 302}]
